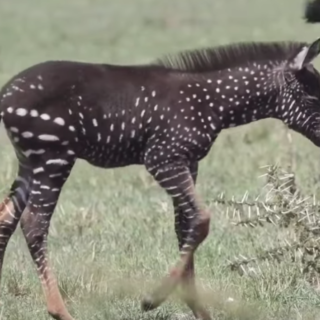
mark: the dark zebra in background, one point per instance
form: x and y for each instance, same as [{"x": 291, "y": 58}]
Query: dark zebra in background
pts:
[
  {"x": 312, "y": 11},
  {"x": 165, "y": 116}
]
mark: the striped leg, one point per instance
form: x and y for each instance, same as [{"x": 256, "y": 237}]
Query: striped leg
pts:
[
  {"x": 178, "y": 212},
  {"x": 12, "y": 208},
  {"x": 182, "y": 226},
  {"x": 47, "y": 184},
  {"x": 176, "y": 179}
]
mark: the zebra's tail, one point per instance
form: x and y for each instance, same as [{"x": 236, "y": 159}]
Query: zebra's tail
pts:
[{"x": 312, "y": 11}]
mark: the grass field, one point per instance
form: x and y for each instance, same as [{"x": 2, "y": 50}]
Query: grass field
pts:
[{"x": 112, "y": 234}]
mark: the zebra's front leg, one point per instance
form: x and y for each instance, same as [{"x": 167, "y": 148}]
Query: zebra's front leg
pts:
[
  {"x": 189, "y": 291},
  {"x": 48, "y": 181},
  {"x": 176, "y": 179}
]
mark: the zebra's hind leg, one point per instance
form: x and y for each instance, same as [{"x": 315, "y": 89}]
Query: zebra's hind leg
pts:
[
  {"x": 176, "y": 179},
  {"x": 48, "y": 179},
  {"x": 13, "y": 206}
]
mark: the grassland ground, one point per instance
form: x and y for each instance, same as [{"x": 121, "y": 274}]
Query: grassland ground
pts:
[{"x": 112, "y": 234}]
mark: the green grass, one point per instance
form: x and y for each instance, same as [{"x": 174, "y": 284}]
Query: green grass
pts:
[{"x": 112, "y": 234}]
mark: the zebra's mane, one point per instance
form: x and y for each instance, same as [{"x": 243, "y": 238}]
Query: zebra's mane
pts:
[{"x": 228, "y": 56}]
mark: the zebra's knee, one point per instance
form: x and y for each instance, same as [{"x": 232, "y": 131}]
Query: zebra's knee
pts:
[
  {"x": 26, "y": 220},
  {"x": 203, "y": 225},
  {"x": 200, "y": 228},
  {"x": 31, "y": 227}
]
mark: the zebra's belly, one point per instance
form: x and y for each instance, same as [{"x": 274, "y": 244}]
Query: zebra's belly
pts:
[{"x": 117, "y": 155}]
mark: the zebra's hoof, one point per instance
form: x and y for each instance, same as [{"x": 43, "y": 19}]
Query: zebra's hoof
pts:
[{"x": 148, "y": 304}]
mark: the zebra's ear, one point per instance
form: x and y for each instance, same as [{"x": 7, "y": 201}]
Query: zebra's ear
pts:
[{"x": 304, "y": 56}]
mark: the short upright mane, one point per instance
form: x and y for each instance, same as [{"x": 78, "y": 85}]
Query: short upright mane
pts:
[{"x": 228, "y": 56}]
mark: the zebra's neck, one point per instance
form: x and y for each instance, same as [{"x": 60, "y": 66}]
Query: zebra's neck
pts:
[
  {"x": 245, "y": 95},
  {"x": 304, "y": 119},
  {"x": 238, "y": 96}
]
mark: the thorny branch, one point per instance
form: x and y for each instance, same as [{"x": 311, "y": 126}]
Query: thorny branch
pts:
[{"x": 285, "y": 207}]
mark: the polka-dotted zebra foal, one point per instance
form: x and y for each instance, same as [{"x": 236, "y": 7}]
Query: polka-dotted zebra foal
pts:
[{"x": 165, "y": 116}]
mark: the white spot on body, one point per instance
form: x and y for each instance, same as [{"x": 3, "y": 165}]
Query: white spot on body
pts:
[
  {"x": 59, "y": 121},
  {"x": 45, "y": 116},
  {"x": 48, "y": 137},
  {"x": 21, "y": 112},
  {"x": 34, "y": 113},
  {"x": 27, "y": 134},
  {"x": 38, "y": 170}
]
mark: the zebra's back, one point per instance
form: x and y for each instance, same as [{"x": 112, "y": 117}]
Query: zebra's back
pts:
[{"x": 105, "y": 114}]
